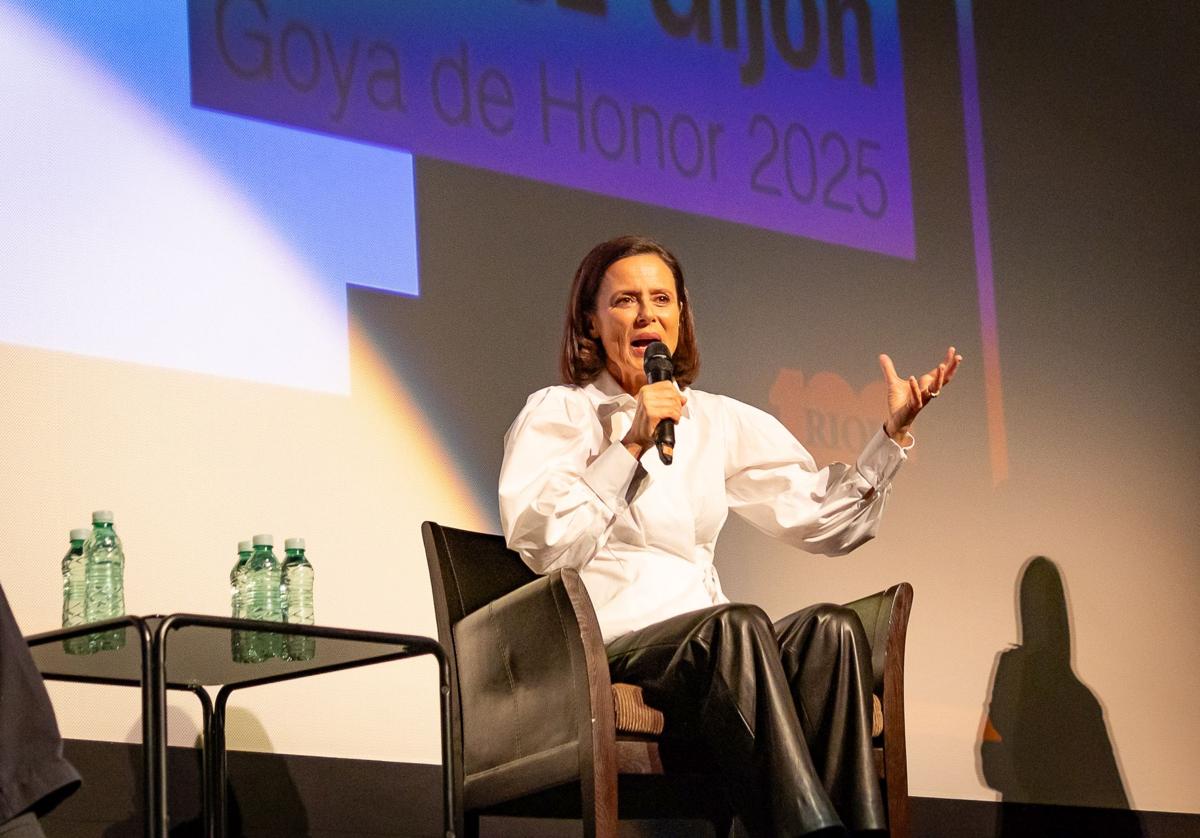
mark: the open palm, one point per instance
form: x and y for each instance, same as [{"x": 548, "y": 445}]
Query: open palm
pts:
[{"x": 907, "y": 396}]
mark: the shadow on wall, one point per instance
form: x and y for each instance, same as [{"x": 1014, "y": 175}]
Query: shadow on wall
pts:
[
  {"x": 272, "y": 805},
  {"x": 184, "y": 771},
  {"x": 1044, "y": 739},
  {"x": 280, "y": 811}
]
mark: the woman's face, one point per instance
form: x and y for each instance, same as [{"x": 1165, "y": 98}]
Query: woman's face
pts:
[{"x": 636, "y": 305}]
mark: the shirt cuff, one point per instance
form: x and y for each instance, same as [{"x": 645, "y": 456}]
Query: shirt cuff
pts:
[
  {"x": 610, "y": 474},
  {"x": 882, "y": 458}
]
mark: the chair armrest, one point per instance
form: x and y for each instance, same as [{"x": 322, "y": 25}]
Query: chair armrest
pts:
[
  {"x": 885, "y": 617},
  {"x": 530, "y": 685}
]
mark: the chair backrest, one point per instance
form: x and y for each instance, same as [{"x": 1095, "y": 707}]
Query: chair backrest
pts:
[{"x": 467, "y": 571}]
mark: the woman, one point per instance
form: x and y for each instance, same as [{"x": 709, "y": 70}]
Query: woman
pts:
[{"x": 785, "y": 707}]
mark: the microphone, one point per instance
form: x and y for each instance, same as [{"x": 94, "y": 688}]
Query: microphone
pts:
[{"x": 659, "y": 367}]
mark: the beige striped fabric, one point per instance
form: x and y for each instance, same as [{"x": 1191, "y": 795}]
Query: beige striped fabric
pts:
[{"x": 634, "y": 715}]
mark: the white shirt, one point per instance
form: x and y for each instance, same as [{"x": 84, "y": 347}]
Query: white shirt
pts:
[{"x": 642, "y": 534}]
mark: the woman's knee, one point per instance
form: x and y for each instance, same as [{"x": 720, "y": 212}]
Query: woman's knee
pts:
[
  {"x": 839, "y": 620},
  {"x": 742, "y": 617}
]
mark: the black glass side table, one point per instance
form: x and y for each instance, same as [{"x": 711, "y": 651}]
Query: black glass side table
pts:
[{"x": 191, "y": 652}]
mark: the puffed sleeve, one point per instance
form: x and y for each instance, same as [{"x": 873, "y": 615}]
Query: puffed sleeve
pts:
[
  {"x": 773, "y": 482},
  {"x": 559, "y": 495}
]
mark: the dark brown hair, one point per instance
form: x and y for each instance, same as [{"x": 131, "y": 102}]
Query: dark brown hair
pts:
[{"x": 583, "y": 356}]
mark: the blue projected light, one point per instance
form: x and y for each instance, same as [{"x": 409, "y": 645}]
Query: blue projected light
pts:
[{"x": 137, "y": 227}]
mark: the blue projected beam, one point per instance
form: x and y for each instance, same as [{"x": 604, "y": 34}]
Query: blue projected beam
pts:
[
  {"x": 137, "y": 227},
  {"x": 787, "y": 116}
]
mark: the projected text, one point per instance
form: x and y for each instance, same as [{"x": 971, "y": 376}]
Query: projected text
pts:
[{"x": 795, "y": 123}]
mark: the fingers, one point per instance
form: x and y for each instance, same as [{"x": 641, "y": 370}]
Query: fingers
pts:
[
  {"x": 951, "y": 363},
  {"x": 933, "y": 381},
  {"x": 939, "y": 381},
  {"x": 944, "y": 372},
  {"x": 914, "y": 392},
  {"x": 889, "y": 369},
  {"x": 655, "y": 402},
  {"x": 662, "y": 400}
]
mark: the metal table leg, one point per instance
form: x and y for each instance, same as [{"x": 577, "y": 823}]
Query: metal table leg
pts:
[
  {"x": 218, "y": 801},
  {"x": 150, "y": 730},
  {"x": 157, "y": 788},
  {"x": 206, "y": 755}
]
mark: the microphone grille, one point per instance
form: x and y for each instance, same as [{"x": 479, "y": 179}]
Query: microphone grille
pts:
[{"x": 657, "y": 362}]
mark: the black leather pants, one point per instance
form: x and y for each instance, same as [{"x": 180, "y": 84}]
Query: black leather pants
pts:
[{"x": 784, "y": 709}]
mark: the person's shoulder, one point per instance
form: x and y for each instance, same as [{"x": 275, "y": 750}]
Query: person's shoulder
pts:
[
  {"x": 719, "y": 403},
  {"x": 554, "y": 391},
  {"x": 740, "y": 419},
  {"x": 557, "y": 399},
  {"x": 552, "y": 417},
  {"x": 724, "y": 411}
]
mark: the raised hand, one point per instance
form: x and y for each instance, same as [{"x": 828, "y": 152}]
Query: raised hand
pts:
[{"x": 906, "y": 397}]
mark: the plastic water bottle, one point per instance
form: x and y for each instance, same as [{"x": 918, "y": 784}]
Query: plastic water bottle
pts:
[
  {"x": 237, "y": 599},
  {"x": 237, "y": 579},
  {"x": 104, "y": 575},
  {"x": 298, "y": 599},
  {"x": 262, "y": 602},
  {"x": 75, "y": 592}
]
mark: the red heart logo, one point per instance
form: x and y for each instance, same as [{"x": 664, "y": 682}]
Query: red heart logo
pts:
[{"x": 826, "y": 415}]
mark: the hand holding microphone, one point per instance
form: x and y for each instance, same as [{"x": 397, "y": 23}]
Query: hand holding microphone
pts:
[
  {"x": 658, "y": 367},
  {"x": 658, "y": 403}
]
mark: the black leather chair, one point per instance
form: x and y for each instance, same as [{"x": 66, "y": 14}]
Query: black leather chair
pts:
[{"x": 534, "y": 721}]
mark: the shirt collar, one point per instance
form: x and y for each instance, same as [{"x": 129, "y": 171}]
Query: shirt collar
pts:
[{"x": 604, "y": 391}]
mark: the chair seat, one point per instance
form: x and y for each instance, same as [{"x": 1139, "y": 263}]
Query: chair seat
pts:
[{"x": 634, "y": 715}]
